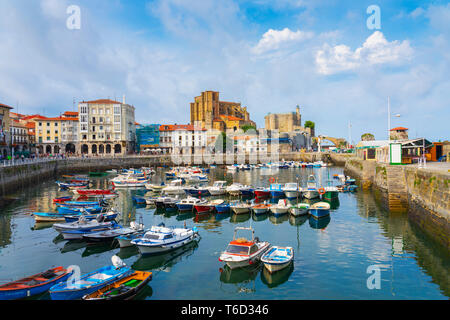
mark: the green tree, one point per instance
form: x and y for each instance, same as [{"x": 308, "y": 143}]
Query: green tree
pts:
[
  {"x": 367, "y": 137},
  {"x": 247, "y": 127},
  {"x": 309, "y": 124}
]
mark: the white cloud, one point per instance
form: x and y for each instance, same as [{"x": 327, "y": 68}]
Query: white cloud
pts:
[
  {"x": 274, "y": 39},
  {"x": 375, "y": 50}
]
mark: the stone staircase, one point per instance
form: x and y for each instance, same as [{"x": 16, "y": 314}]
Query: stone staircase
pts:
[{"x": 397, "y": 192}]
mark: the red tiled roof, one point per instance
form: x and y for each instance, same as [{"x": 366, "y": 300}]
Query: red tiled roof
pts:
[
  {"x": 102, "y": 101},
  {"x": 5, "y": 106},
  {"x": 399, "y": 128},
  {"x": 70, "y": 113},
  {"x": 58, "y": 119},
  {"x": 35, "y": 116}
]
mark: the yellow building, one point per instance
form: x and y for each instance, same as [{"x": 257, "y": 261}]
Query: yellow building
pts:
[
  {"x": 5, "y": 123},
  {"x": 48, "y": 134},
  {"x": 208, "y": 112}
]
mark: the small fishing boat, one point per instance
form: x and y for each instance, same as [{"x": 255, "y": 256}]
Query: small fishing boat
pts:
[
  {"x": 218, "y": 188},
  {"x": 276, "y": 190},
  {"x": 80, "y": 233},
  {"x": 67, "y": 210},
  {"x": 125, "y": 240},
  {"x": 208, "y": 206},
  {"x": 62, "y": 199},
  {"x": 91, "y": 282},
  {"x": 282, "y": 207},
  {"x": 261, "y": 208},
  {"x": 223, "y": 208},
  {"x": 350, "y": 181},
  {"x": 67, "y": 185},
  {"x": 277, "y": 258},
  {"x": 331, "y": 193},
  {"x": 169, "y": 203},
  {"x": 94, "y": 192},
  {"x": 242, "y": 252},
  {"x": 33, "y": 285},
  {"x": 292, "y": 190},
  {"x": 311, "y": 188},
  {"x": 98, "y": 174},
  {"x": 108, "y": 216},
  {"x": 123, "y": 289},
  {"x": 161, "y": 239},
  {"x": 48, "y": 217},
  {"x": 155, "y": 187},
  {"x": 110, "y": 235},
  {"x": 175, "y": 187},
  {"x": 299, "y": 209},
  {"x": 233, "y": 168},
  {"x": 239, "y": 207},
  {"x": 262, "y": 193},
  {"x": 188, "y": 203},
  {"x": 319, "y": 209},
  {"x": 81, "y": 204}
]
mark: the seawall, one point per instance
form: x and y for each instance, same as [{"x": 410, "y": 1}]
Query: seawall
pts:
[{"x": 423, "y": 194}]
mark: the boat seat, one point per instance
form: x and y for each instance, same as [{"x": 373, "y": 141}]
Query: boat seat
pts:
[{"x": 100, "y": 276}]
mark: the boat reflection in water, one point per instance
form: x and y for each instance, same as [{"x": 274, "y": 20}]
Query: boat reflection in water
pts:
[
  {"x": 278, "y": 220},
  {"x": 221, "y": 216},
  {"x": 42, "y": 225},
  {"x": 96, "y": 248},
  {"x": 182, "y": 216},
  {"x": 238, "y": 218},
  {"x": 165, "y": 260},
  {"x": 321, "y": 223},
  {"x": 243, "y": 278},
  {"x": 334, "y": 204},
  {"x": 73, "y": 245},
  {"x": 260, "y": 217},
  {"x": 202, "y": 217},
  {"x": 127, "y": 252},
  {"x": 145, "y": 293},
  {"x": 275, "y": 279},
  {"x": 297, "y": 221}
]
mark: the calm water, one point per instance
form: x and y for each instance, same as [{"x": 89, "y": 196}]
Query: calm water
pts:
[{"x": 331, "y": 259}]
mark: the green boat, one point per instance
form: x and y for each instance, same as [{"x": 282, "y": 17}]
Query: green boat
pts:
[{"x": 331, "y": 193}]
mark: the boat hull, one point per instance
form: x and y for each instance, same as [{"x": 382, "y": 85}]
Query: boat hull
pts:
[
  {"x": 311, "y": 194},
  {"x": 149, "y": 250},
  {"x": 331, "y": 195},
  {"x": 271, "y": 267},
  {"x": 21, "y": 293},
  {"x": 319, "y": 213},
  {"x": 295, "y": 211}
]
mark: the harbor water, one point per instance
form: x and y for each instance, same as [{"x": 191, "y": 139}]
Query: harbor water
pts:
[{"x": 334, "y": 258}]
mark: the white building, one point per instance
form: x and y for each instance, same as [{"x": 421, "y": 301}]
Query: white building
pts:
[{"x": 182, "y": 139}]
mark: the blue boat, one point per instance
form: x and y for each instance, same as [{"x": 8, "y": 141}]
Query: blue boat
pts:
[
  {"x": 189, "y": 203},
  {"x": 88, "y": 283},
  {"x": 81, "y": 204},
  {"x": 276, "y": 190},
  {"x": 247, "y": 192},
  {"x": 223, "y": 208},
  {"x": 65, "y": 185},
  {"x": 197, "y": 192},
  {"x": 139, "y": 200},
  {"x": 319, "y": 210},
  {"x": 75, "y": 210},
  {"x": 108, "y": 217},
  {"x": 33, "y": 285}
]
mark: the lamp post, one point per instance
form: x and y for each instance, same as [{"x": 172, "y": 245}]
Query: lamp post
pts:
[{"x": 389, "y": 119}]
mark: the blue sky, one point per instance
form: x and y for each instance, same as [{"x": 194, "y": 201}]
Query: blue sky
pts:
[{"x": 268, "y": 55}]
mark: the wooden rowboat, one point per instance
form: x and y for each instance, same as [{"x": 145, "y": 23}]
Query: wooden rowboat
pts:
[
  {"x": 123, "y": 289},
  {"x": 33, "y": 285}
]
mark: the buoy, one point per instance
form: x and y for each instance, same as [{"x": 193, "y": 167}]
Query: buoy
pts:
[{"x": 321, "y": 191}]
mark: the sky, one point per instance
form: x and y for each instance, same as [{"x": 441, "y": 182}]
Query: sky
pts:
[{"x": 269, "y": 55}]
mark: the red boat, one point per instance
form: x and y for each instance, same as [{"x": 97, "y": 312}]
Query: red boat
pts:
[
  {"x": 262, "y": 193},
  {"x": 207, "y": 207},
  {"x": 62, "y": 199},
  {"x": 93, "y": 192}
]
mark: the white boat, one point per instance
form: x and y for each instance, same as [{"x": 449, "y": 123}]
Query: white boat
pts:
[
  {"x": 299, "y": 209},
  {"x": 234, "y": 189},
  {"x": 239, "y": 207},
  {"x": 109, "y": 235},
  {"x": 292, "y": 190},
  {"x": 282, "y": 207},
  {"x": 242, "y": 252},
  {"x": 232, "y": 168},
  {"x": 261, "y": 208},
  {"x": 130, "y": 179},
  {"x": 277, "y": 258},
  {"x": 155, "y": 187},
  {"x": 218, "y": 188},
  {"x": 319, "y": 210},
  {"x": 161, "y": 239},
  {"x": 198, "y": 177},
  {"x": 174, "y": 187},
  {"x": 311, "y": 188}
]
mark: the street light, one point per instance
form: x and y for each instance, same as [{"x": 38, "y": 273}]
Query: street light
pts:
[{"x": 389, "y": 119}]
